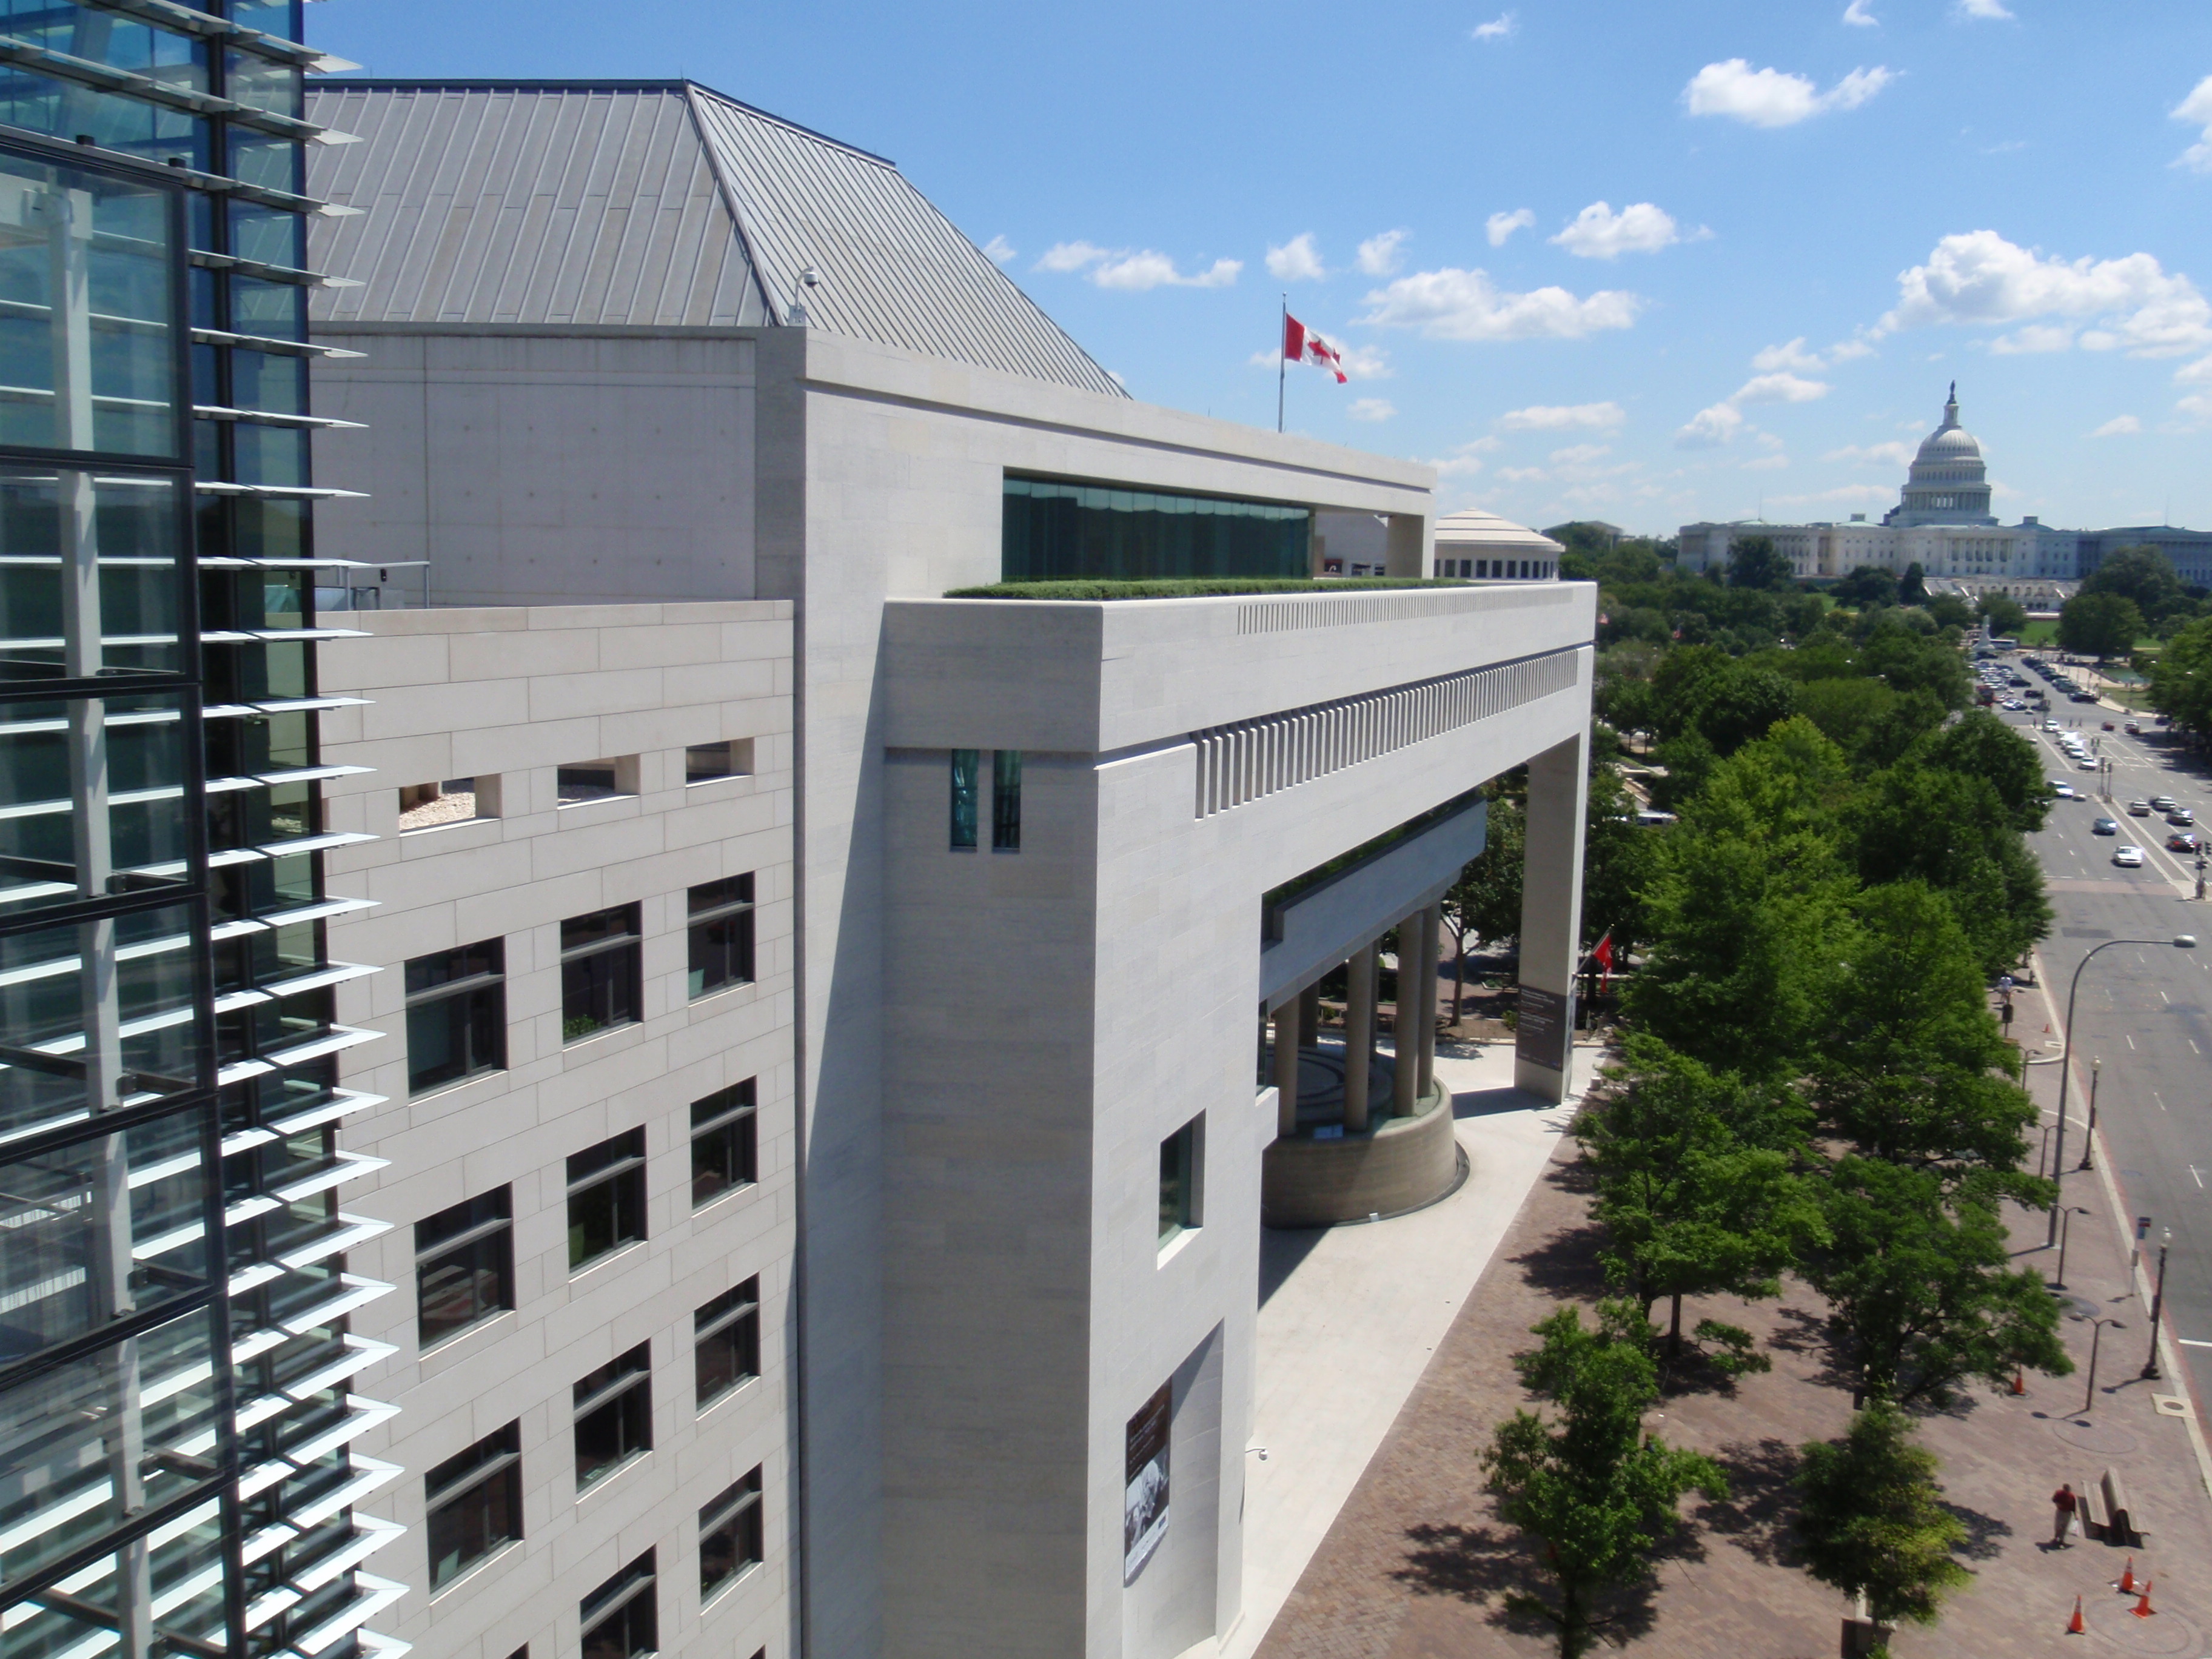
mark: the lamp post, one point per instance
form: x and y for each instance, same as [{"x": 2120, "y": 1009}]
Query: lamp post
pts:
[
  {"x": 2065, "y": 1236},
  {"x": 2096, "y": 1336},
  {"x": 2149, "y": 1372},
  {"x": 2179, "y": 942},
  {"x": 2089, "y": 1134}
]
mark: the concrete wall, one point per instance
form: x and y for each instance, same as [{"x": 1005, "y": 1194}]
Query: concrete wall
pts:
[{"x": 514, "y": 693}]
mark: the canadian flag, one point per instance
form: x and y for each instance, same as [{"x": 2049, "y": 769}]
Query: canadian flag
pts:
[
  {"x": 1302, "y": 345},
  {"x": 1602, "y": 955}
]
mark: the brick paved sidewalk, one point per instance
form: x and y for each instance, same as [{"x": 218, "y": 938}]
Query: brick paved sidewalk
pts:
[{"x": 1416, "y": 1564}]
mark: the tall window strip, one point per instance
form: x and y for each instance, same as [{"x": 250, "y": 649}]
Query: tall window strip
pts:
[
  {"x": 966, "y": 796},
  {"x": 730, "y": 1535},
  {"x": 473, "y": 1503},
  {"x": 1007, "y": 800},
  {"x": 725, "y": 1143},
  {"x": 726, "y": 1341},
  {"x": 1254, "y": 759},
  {"x": 614, "y": 1415},
  {"x": 621, "y": 1619},
  {"x": 465, "y": 1265},
  {"x": 718, "y": 928}
]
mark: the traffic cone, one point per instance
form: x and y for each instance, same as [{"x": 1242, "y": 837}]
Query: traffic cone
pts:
[
  {"x": 2076, "y": 1625},
  {"x": 2143, "y": 1608},
  {"x": 2019, "y": 1382},
  {"x": 2127, "y": 1584}
]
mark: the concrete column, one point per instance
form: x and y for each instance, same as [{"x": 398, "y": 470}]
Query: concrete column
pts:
[
  {"x": 1309, "y": 1016},
  {"x": 1406, "y": 545},
  {"x": 1358, "y": 1037},
  {"x": 1432, "y": 923},
  {"x": 1405, "y": 1026},
  {"x": 1286, "y": 1068},
  {"x": 1551, "y": 917}
]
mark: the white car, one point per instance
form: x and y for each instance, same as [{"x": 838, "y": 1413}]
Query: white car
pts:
[
  {"x": 2088, "y": 763},
  {"x": 2051, "y": 725},
  {"x": 2127, "y": 858},
  {"x": 2063, "y": 790}
]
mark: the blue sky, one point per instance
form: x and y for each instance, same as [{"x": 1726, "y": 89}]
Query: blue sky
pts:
[{"x": 1600, "y": 258}]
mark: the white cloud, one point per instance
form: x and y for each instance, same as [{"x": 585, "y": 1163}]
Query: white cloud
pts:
[
  {"x": 1069, "y": 256},
  {"x": 1466, "y": 459},
  {"x": 1371, "y": 409},
  {"x": 1296, "y": 261},
  {"x": 1709, "y": 427},
  {"x": 2119, "y": 426},
  {"x": 2196, "y": 110},
  {"x": 1780, "y": 388},
  {"x": 1979, "y": 278},
  {"x": 999, "y": 250},
  {"x": 2036, "y": 337},
  {"x": 1766, "y": 463},
  {"x": 1139, "y": 272},
  {"x": 1886, "y": 455},
  {"x": 1856, "y": 15},
  {"x": 1555, "y": 417},
  {"x": 1599, "y": 233},
  {"x": 1579, "y": 454},
  {"x": 1982, "y": 9},
  {"x": 1466, "y": 305},
  {"x": 1844, "y": 350},
  {"x": 1774, "y": 98},
  {"x": 2197, "y": 373},
  {"x": 1379, "y": 255},
  {"x": 1362, "y": 362},
  {"x": 1845, "y": 495},
  {"x": 2197, "y": 408},
  {"x": 1499, "y": 27},
  {"x": 1792, "y": 354},
  {"x": 1499, "y": 226},
  {"x": 1520, "y": 474}
]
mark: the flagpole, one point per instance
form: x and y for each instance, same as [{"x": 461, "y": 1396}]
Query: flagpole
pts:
[{"x": 1282, "y": 333}]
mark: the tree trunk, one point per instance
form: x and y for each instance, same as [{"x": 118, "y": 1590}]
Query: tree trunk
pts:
[{"x": 1674, "y": 1332}]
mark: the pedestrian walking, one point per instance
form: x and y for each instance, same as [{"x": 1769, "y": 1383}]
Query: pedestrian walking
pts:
[{"x": 2062, "y": 1518}]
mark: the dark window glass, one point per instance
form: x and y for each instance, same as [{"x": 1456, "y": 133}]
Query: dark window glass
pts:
[
  {"x": 591, "y": 780},
  {"x": 465, "y": 1265},
  {"x": 618, "y": 1617},
  {"x": 967, "y": 788},
  {"x": 730, "y": 1535},
  {"x": 1055, "y": 531},
  {"x": 726, "y": 1341},
  {"x": 606, "y": 1198},
  {"x": 456, "y": 1015},
  {"x": 1179, "y": 1180},
  {"x": 705, "y": 762},
  {"x": 614, "y": 1415},
  {"x": 722, "y": 1142},
  {"x": 599, "y": 972},
  {"x": 1007, "y": 800},
  {"x": 721, "y": 928},
  {"x": 474, "y": 1503}
]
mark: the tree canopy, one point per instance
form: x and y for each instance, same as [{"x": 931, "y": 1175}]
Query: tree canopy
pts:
[
  {"x": 2100, "y": 624},
  {"x": 1872, "y": 1521},
  {"x": 1755, "y": 562}
]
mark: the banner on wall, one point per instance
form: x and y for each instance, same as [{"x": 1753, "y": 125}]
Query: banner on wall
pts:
[{"x": 1144, "y": 1498}]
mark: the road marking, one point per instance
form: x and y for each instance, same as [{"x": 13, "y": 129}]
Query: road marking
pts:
[
  {"x": 2165, "y": 998},
  {"x": 2198, "y": 1179},
  {"x": 2191, "y": 1342},
  {"x": 2131, "y": 1041},
  {"x": 2154, "y": 1095},
  {"x": 2193, "y": 1048}
]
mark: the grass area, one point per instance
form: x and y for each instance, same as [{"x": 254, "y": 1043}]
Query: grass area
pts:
[
  {"x": 2044, "y": 630},
  {"x": 1196, "y": 587}
]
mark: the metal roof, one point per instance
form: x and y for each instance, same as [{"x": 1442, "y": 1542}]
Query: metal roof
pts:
[{"x": 647, "y": 204}]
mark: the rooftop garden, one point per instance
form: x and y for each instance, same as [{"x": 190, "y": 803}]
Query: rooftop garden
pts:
[{"x": 1196, "y": 587}]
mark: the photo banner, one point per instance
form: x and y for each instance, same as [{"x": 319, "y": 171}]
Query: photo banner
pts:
[{"x": 1144, "y": 1498}]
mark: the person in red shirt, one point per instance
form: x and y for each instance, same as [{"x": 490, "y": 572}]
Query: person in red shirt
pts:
[{"x": 2062, "y": 1505}]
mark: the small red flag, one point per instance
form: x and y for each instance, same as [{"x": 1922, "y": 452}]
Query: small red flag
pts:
[
  {"x": 1302, "y": 345},
  {"x": 1601, "y": 954}
]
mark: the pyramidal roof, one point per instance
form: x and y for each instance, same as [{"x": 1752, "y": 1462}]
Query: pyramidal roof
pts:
[{"x": 646, "y": 204}]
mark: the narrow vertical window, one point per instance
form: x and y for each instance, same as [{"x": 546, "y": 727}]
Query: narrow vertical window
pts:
[
  {"x": 474, "y": 1503},
  {"x": 730, "y": 1535},
  {"x": 620, "y": 1618},
  {"x": 1007, "y": 800},
  {"x": 966, "y": 785},
  {"x": 1182, "y": 1169},
  {"x": 614, "y": 1415},
  {"x": 725, "y": 1334}
]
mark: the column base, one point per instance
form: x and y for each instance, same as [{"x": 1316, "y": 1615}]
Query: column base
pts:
[{"x": 1399, "y": 1165}]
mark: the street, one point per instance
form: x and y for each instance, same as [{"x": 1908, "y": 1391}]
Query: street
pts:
[{"x": 2146, "y": 1011}]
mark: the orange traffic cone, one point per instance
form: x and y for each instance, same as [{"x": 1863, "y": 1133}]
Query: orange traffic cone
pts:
[
  {"x": 2019, "y": 1383},
  {"x": 2143, "y": 1608},
  {"x": 2127, "y": 1584},
  {"x": 2075, "y": 1626}
]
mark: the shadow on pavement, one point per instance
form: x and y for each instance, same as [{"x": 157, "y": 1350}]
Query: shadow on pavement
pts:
[{"x": 1755, "y": 1515}]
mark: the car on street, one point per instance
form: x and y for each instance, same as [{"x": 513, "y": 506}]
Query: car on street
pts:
[
  {"x": 2051, "y": 725},
  {"x": 2105, "y": 827},
  {"x": 2127, "y": 858},
  {"x": 2181, "y": 815},
  {"x": 2134, "y": 728},
  {"x": 2087, "y": 763},
  {"x": 2163, "y": 803},
  {"x": 2063, "y": 791},
  {"x": 2108, "y": 725},
  {"x": 2181, "y": 841},
  {"x": 2140, "y": 808}
]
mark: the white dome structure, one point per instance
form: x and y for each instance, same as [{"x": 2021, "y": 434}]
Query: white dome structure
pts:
[
  {"x": 1482, "y": 545},
  {"x": 1949, "y": 482}
]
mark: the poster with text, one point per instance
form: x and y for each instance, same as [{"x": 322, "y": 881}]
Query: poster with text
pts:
[{"x": 1145, "y": 1500}]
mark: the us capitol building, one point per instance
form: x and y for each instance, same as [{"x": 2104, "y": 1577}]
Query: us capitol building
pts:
[{"x": 1944, "y": 524}]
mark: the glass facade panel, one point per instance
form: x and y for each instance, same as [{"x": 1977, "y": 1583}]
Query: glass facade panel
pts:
[
  {"x": 1007, "y": 800},
  {"x": 966, "y": 790},
  {"x": 723, "y": 1142},
  {"x": 465, "y": 1265},
  {"x": 614, "y": 1415},
  {"x": 140, "y": 739},
  {"x": 474, "y": 1503},
  {"x": 55, "y": 522},
  {"x": 1058, "y": 530}
]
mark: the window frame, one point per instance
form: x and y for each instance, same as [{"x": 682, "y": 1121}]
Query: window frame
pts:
[
  {"x": 613, "y": 1599},
  {"x": 743, "y": 1113},
  {"x": 739, "y": 1305},
  {"x": 630, "y": 940},
  {"x": 697, "y": 919},
  {"x": 467, "y": 1238},
  {"x": 623, "y": 1166},
  {"x": 492, "y": 980},
  {"x": 1186, "y": 1146},
  {"x": 738, "y": 758},
  {"x": 1006, "y": 800},
  {"x": 741, "y": 1509},
  {"x": 964, "y": 805},
  {"x": 505, "y": 1463},
  {"x": 627, "y": 1374}
]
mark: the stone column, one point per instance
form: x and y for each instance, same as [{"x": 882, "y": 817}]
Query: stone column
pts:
[
  {"x": 1309, "y": 1016},
  {"x": 1406, "y": 543},
  {"x": 1551, "y": 918},
  {"x": 1286, "y": 1068},
  {"x": 1358, "y": 1037},
  {"x": 1405, "y": 1025},
  {"x": 1432, "y": 922}
]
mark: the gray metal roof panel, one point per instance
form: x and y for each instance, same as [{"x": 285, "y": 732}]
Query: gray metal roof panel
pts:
[{"x": 653, "y": 203}]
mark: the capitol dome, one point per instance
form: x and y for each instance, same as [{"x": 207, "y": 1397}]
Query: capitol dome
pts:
[{"x": 1949, "y": 482}]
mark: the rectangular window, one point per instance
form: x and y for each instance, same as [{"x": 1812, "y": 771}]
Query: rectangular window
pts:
[
  {"x": 1057, "y": 530},
  {"x": 967, "y": 788},
  {"x": 1007, "y": 800},
  {"x": 453, "y": 800},
  {"x": 730, "y": 1535},
  {"x": 726, "y": 1337},
  {"x": 474, "y": 1503},
  {"x": 599, "y": 972},
  {"x": 721, "y": 927},
  {"x": 1179, "y": 1173},
  {"x": 1482, "y": 568},
  {"x": 595, "y": 780},
  {"x": 456, "y": 1015},
  {"x": 705, "y": 763},
  {"x": 614, "y": 1415},
  {"x": 465, "y": 1265},
  {"x": 619, "y": 1617},
  {"x": 606, "y": 1198},
  {"x": 723, "y": 1142}
]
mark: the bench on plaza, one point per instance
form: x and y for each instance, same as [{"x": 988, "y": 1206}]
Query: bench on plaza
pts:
[{"x": 2106, "y": 1512}]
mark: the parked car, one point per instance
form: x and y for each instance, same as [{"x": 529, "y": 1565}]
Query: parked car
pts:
[
  {"x": 2105, "y": 827},
  {"x": 2127, "y": 858},
  {"x": 2139, "y": 808}
]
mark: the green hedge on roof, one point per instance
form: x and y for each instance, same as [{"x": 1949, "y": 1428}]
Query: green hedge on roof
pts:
[{"x": 1195, "y": 587}]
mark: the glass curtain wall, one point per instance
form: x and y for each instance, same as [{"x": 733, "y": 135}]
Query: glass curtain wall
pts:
[
  {"x": 1064, "y": 529},
  {"x": 174, "y": 1353}
]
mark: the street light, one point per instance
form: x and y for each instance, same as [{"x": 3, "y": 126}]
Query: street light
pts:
[
  {"x": 2089, "y": 1134},
  {"x": 2065, "y": 1235},
  {"x": 2179, "y": 942},
  {"x": 2096, "y": 1336},
  {"x": 2149, "y": 1372}
]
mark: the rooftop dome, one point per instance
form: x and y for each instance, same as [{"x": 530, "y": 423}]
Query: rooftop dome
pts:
[
  {"x": 1949, "y": 482},
  {"x": 1472, "y": 530}
]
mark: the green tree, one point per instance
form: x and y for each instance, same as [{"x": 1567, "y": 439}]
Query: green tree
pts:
[
  {"x": 1618, "y": 854},
  {"x": 1755, "y": 562},
  {"x": 1920, "y": 1301},
  {"x": 1869, "y": 585},
  {"x": 1912, "y": 585},
  {"x": 2142, "y": 574},
  {"x": 1871, "y": 1520},
  {"x": 1981, "y": 745},
  {"x": 1952, "y": 831},
  {"x": 2181, "y": 678},
  {"x": 1697, "y": 1189},
  {"x": 1949, "y": 610},
  {"x": 1484, "y": 903},
  {"x": 2099, "y": 625},
  {"x": 1598, "y": 1492},
  {"x": 1743, "y": 703},
  {"x": 2003, "y": 615}
]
